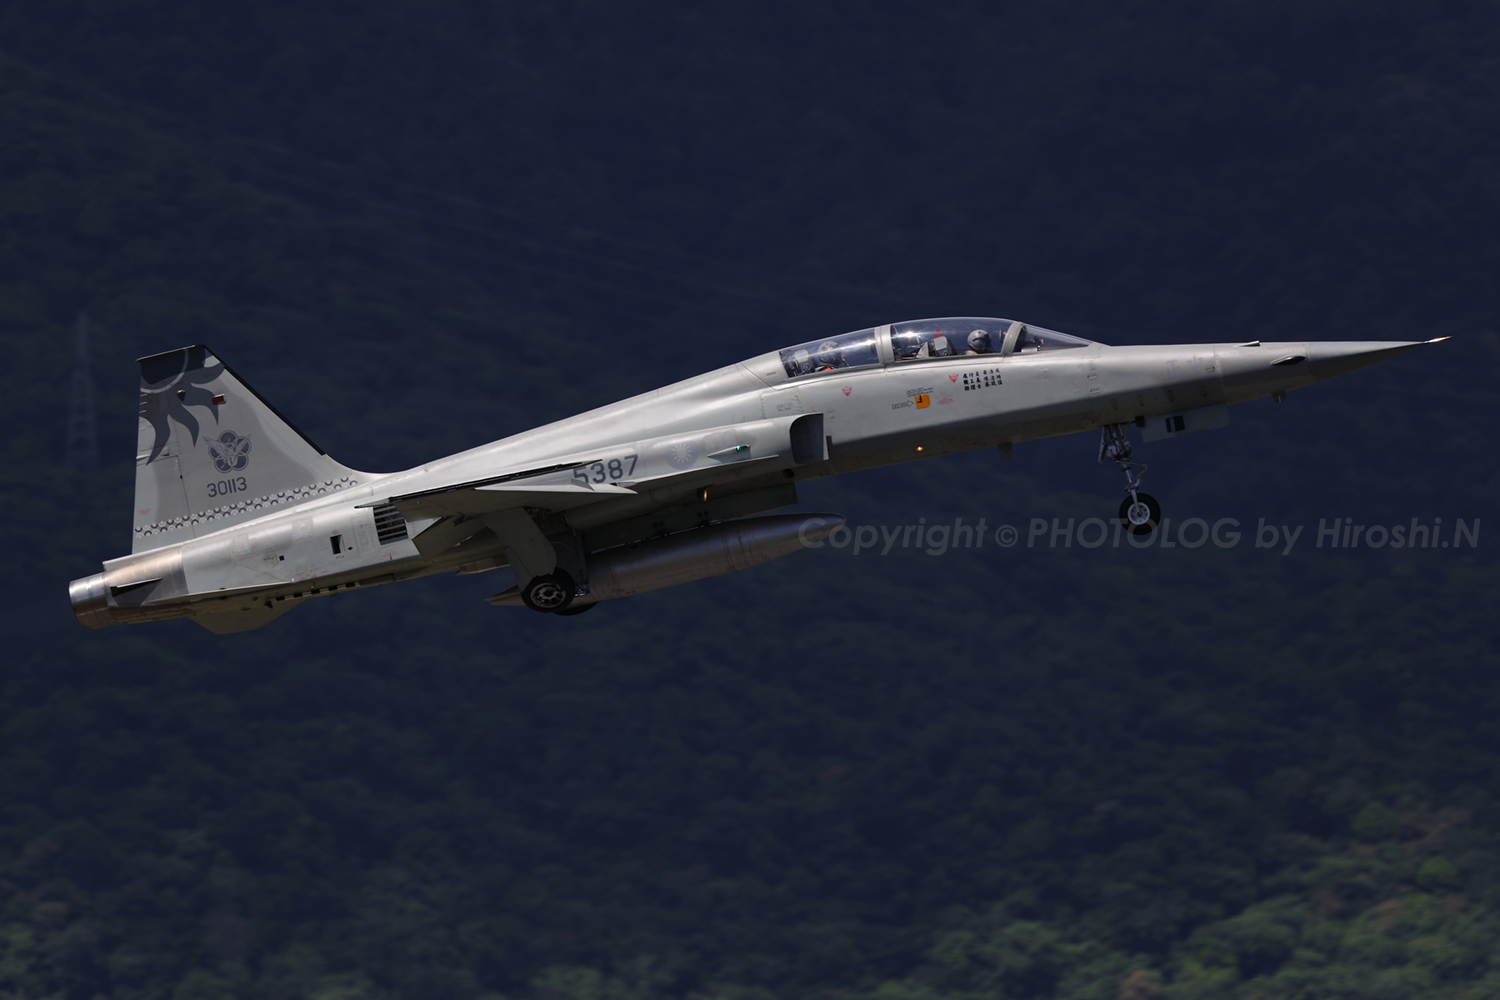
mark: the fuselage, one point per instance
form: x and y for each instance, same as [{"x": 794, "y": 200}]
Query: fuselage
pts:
[{"x": 662, "y": 460}]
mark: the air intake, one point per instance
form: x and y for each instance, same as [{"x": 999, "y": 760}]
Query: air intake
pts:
[
  {"x": 390, "y": 526},
  {"x": 807, "y": 439}
]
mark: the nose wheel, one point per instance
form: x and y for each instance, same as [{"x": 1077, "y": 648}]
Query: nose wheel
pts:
[{"x": 1139, "y": 512}]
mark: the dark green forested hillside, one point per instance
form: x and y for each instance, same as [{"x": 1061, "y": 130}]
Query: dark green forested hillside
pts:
[{"x": 1020, "y": 773}]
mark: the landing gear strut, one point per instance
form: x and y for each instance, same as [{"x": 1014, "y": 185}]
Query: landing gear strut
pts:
[{"x": 1139, "y": 512}]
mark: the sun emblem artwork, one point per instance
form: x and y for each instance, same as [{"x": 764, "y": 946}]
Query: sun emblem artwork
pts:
[{"x": 682, "y": 454}]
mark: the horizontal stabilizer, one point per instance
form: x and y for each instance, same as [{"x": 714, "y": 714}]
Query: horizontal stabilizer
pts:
[{"x": 230, "y": 622}]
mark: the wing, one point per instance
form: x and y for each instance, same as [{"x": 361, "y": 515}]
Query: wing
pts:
[
  {"x": 663, "y": 467},
  {"x": 442, "y": 517},
  {"x": 497, "y": 493},
  {"x": 474, "y": 501}
]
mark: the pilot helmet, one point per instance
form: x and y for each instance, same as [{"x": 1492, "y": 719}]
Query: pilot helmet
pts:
[
  {"x": 979, "y": 342},
  {"x": 829, "y": 355}
]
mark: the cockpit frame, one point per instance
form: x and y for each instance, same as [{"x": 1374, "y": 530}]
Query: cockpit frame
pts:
[{"x": 945, "y": 338}]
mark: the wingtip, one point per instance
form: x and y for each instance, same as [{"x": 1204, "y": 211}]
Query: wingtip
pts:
[{"x": 1437, "y": 340}]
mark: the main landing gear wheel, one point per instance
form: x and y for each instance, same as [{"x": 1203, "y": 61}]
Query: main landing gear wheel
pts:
[
  {"x": 580, "y": 609},
  {"x": 550, "y": 593},
  {"x": 1141, "y": 514}
]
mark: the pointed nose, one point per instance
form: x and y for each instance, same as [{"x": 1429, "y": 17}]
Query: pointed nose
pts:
[{"x": 1329, "y": 359}]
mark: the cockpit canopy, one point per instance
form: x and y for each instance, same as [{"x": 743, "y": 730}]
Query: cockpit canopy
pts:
[
  {"x": 960, "y": 335},
  {"x": 922, "y": 339},
  {"x": 849, "y": 350}
]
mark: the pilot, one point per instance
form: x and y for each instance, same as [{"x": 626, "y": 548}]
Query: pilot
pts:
[
  {"x": 979, "y": 342},
  {"x": 829, "y": 356}
]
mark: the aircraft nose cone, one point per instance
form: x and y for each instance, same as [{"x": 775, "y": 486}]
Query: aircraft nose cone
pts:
[{"x": 1329, "y": 359}]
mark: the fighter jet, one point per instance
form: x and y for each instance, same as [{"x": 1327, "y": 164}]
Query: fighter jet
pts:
[{"x": 239, "y": 516}]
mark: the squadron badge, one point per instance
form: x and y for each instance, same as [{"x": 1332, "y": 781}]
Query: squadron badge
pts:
[{"x": 231, "y": 453}]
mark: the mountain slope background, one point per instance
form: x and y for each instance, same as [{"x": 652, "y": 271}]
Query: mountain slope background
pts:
[{"x": 1026, "y": 772}]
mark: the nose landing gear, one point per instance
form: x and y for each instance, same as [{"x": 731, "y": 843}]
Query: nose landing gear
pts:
[{"x": 1139, "y": 512}]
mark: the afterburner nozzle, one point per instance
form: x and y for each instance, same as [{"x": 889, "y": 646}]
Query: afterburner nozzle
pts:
[
  {"x": 1329, "y": 359},
  {"x": 144, "y": 588},
  {"x": 89, "y": 595}
]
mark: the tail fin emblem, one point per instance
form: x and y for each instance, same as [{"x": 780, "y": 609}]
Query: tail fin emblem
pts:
[
  {"x": 159, "y": 401},
  {"x": 231, "y": 453}
]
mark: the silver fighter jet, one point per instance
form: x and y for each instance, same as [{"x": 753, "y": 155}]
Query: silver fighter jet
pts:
[{"x": 239, "y": 516}]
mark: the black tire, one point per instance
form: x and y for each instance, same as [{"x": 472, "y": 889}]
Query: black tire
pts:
[
  {"x": 550, "y": 593},
  {"x": 1145, "y": 527},
  {"x": 580, "y": 609}
]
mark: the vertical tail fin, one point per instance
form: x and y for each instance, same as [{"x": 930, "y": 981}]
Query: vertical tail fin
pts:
[{"x": 212, "y": 452}]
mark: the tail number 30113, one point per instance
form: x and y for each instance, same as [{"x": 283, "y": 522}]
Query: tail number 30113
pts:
[{"x": 224, "y": 487}]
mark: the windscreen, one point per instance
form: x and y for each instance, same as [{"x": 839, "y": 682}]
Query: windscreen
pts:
[{"x": 1034, "y": 339}]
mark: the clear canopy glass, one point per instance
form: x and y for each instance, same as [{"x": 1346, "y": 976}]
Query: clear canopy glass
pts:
[
  {"x": 954, "y": 336},
  {"x": 949, "y": 337},
  {"x": 848, "y": 350}
]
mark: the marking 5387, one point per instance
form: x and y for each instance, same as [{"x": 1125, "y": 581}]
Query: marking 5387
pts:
[{"x": 606, "y": 471}]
